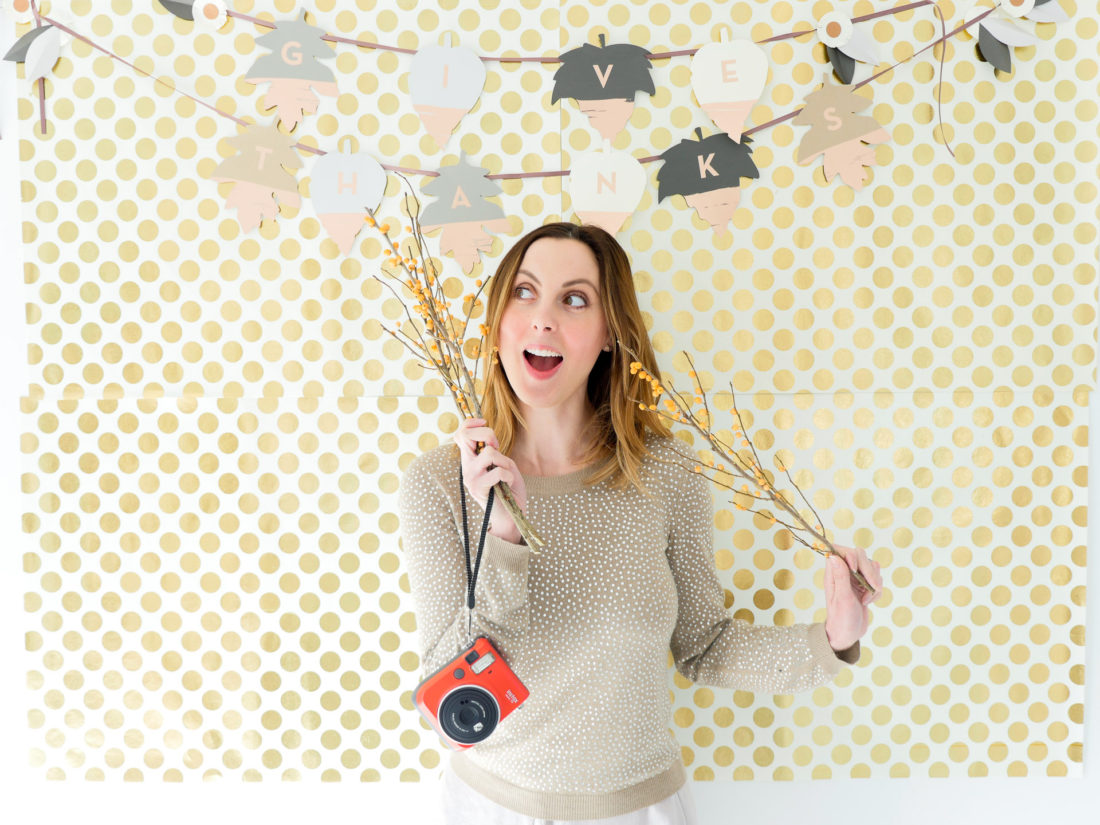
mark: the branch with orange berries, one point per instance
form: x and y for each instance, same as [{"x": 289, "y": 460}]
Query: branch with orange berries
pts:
[
  {"x": 441, "y": 345},
  {"x": 744, "y": 463}
]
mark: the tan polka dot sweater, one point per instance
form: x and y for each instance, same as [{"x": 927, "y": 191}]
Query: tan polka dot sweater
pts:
[{"x": 588, "y": 626}]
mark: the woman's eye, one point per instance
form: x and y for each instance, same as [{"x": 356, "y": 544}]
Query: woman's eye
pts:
[{"x": 570, "y": 295}]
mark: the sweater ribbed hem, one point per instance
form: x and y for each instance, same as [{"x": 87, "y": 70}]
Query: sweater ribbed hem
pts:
[{"x": 567, "y": 806}]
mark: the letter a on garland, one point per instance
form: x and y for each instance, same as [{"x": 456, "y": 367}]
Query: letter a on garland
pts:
[{"x": 462, "y": 212}]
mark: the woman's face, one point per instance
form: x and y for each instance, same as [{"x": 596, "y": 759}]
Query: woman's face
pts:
[{"x": 555, "y": 304}]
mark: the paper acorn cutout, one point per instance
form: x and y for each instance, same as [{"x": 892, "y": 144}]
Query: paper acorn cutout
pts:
[
  {"x": 208, "y": 14},
  {"x": 462, "y": 212},
  {"x": 603, "y": 80},
  {"x": 1001, "y": 31},
  {"x": 728, "y": 78},
  {"x": 839, "y": 133},
  {"x": 845, "y": 43},
  {"x": 707, "y": 172},
  {"x": 606, "y": 186},
  {"x": 257, "y": 170},
  {"x": 444, "y": 84},
  {"x": 292, "y": 69},
  {"x": 342, "y": 186}
]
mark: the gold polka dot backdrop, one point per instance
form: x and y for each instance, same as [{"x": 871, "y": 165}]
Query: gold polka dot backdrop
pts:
[{"x": 217, "y": 421}]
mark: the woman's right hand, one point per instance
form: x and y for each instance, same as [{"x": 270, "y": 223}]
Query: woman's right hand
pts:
[{"x": 480, "y": 471}]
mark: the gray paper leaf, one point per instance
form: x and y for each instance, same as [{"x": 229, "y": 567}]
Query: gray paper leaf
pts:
[
  {"x": 18, "y": 52},
  {"x": 993, "y": 50},
  {"x": 181, "y": 8},
  {"x": 843, "y": 65}
]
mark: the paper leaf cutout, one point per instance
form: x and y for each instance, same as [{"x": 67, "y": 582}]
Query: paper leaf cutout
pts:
[
  {"x": 258, "y": 172},
  {"x": 292, "y": 69},
  {"x": 1046, "y": 11},
  {"x": 728, "y": 78},
  {"x": 42, "y": 54},
  {"x": 444, "y": 84},
  {"x": 843, "y": 65},
  {"x": 181, "y": 9},
  {"x": 606, "y": 186},
  {"x": 707, "y": 172},
  {"x": 1009, "y": 32},
  {"x": 462, "y": 212},
  {"x": 18, "y": 52},
  {"x": 993, "y": 51},
  {"x": 862, "y": 47},
  {"x": 603, "y": 80},
  {"x": 838, "y": 132},
  {"x": 342, "y": 187}
]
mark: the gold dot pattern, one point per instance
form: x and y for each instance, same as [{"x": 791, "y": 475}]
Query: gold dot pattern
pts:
[{"x": 216, "y": 421}]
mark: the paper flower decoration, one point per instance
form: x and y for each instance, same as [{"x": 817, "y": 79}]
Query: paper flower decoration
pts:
[
  {"x": 207, "y": 14},
  {"x": 845, "y": 43},
  {"x": 838, "y": 133},
  {"x": 444, "y": 84},
  {"x": 292, "y": 69},
  {"x": 462, "y": 212},
  {"x": 1011, "y": 25},
  {"x": 728, "y": 78},
  {"x": 606, "y": 186},
  {"x": 261, "y": 182},
  {"x": 707, "y": 172},
  {"x": 342, "y": 187},
  {"x": 603, "y": 80},
  {"x": 18, "y": 10}
]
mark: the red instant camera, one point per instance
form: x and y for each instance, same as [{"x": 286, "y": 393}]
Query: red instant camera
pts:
[{"x": 467, "y": 698}]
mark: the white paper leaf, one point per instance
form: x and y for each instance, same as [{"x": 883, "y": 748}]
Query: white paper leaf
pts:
[
  {"x": 42, "y": 54},
  {"x": 1048, "y": 13},
  {"x": 1011, "y": 34},
  {"x": 862, "y": 47}
]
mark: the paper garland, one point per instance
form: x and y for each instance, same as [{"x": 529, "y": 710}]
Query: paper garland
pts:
[{"x": 445, "y": 83}]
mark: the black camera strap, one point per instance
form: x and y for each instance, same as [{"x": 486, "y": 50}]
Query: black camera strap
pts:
[{"x": 471, "y": 577}]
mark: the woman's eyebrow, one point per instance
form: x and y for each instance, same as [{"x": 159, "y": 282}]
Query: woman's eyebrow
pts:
[{"x": 567, "y": 283}]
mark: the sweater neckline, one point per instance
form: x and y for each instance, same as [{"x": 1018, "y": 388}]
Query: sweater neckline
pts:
[{"x": 559, "y": 484}]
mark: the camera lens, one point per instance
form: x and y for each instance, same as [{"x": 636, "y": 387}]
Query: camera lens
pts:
[{"x": 468, "y": 714}]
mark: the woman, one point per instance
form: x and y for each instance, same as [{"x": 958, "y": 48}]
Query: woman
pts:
[{"x": 627, "y": 574}]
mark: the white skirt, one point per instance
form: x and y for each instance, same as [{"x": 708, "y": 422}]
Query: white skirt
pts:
[{"x": 462, "y": 805}]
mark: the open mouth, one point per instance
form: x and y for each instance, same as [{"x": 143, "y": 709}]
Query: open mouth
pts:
[{"x": 542, "y": 363}]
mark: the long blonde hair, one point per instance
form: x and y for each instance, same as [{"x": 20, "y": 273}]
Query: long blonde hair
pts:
[{"x": 620, "y": 425}]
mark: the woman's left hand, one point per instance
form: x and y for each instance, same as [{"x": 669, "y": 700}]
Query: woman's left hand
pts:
[{"x": 845, "y": 601}]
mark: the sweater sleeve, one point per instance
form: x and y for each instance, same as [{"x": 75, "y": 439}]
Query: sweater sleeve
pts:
[
  {"x": 436, "y": 563},
  {"x": 710, "y": 646}
]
